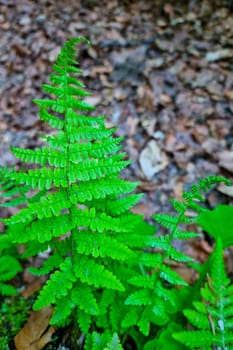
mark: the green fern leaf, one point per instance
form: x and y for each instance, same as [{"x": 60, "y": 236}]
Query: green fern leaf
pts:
[
  {"x": 211, "y": 221},
  {"x": 9, "y": 267},
  {"x": 197, "y": 319},
  {"x": 88, "y": 271},
  {"x": 84, "y": 321},
  {"x": 131, "y": 318},
  {"x": 62, "y": 311},
  {"x": 57, "y": 286},
  {"x": 195, "y": 339},
  {"x": 102, "y": 245},
  {"x": 140, "y": 297},
  {"x": 114, "y": 343},
  {"x": 171, "y": 276}
]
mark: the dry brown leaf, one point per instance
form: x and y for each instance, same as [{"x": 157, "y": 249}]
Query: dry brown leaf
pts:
[
  {"x": 32, "y": 288},
  {"x": 152, "y": 159},
  {"x": 36, "y": 333}
]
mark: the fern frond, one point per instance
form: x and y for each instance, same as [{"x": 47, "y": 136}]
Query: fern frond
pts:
[
  {"x": 79, "y": 208},
  {"x": 214, "y": 319}
]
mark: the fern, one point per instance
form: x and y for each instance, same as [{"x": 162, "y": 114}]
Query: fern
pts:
[
  {"x": 213, "y": 315},
  {"x": 154, "y": 300},
  {"x": 79, "y": 206}
]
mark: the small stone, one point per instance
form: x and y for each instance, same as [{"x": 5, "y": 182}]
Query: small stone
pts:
[
  {"x": 159, "y": 135},
  {"x": 41, "y": 19},
  {"x": 24, "y": 21},
  {"x": 161, "y": 23}
]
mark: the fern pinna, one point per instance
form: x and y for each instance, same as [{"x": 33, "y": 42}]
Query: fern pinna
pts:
[{"x": 79, "y": 205}]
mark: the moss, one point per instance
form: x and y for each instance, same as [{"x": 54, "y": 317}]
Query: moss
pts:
[{"x": 13, "y": 314}]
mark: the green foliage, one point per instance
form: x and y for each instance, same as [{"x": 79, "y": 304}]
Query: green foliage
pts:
[
  {"x": 212, "y": 222},
  {"x": 9, "y": 188},
  {"x": 164, "y": 339},
  {"x": 9, "y": 266},
  {"x": 212, "y": 315},
  {"x": 104, "y": 341},
  {"x": 14, "y": 313}
]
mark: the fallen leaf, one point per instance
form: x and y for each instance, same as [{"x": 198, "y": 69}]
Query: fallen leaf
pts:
[
  {"x": 226, "y": 160},
  {"x": 165, "y": 99},
  {"x": 36, "y": 333},
  {"x": 152, "y": 159},
  {"x": 148, "y": 122},
  {"x": 93, "y": 100}
]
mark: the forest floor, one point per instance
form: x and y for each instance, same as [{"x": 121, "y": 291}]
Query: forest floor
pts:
[{"x": 162, "y": 71}]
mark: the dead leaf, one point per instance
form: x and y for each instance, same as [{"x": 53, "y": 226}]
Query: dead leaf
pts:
[
  {"x": 148, "y": 121},
  {"x": 226, "y": 160},
  {"x": 229, "y": 94},
  {"x": 152, "y": 159},
  {"x": 93, "y": 100},
  {"x": 164, "y": 99},
  {"x": 32, "y": 288},
  {"x": 36, "y": 333}
]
